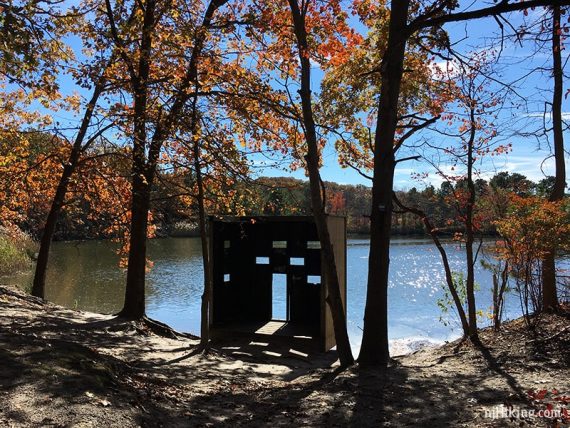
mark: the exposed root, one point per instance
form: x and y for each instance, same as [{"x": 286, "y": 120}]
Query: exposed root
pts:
[
  {"x": 26, "y": 297},
  {"x": 549, "y": 338},
  {"x": 164, "y": 330}
]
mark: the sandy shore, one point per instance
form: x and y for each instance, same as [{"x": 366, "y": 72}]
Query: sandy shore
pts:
[{"x": 65, "y": 368}]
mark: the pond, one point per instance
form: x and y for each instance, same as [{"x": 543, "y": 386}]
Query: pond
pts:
[{"x": 85, "y": 275}]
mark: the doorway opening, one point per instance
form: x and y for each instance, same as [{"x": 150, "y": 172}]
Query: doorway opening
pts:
[{"x": 279, "y": 297}]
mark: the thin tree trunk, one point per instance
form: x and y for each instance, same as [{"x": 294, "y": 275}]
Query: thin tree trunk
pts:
[
  {"x": 207, "y": 294},
  {"x": 206, "y": 262},
  {"x": 334, "y": 298},
  {"x": 469, "y": 233},
  {"x": 445, "y": 260},
  {"x": 549, "y": 296},
  {"x": 498, "y": 295},
  {"x": 374, "y": 349},
  {"x": 38, "y": 288}
]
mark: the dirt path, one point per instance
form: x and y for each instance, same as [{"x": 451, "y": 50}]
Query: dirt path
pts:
[{"x": 65, "y": 368}]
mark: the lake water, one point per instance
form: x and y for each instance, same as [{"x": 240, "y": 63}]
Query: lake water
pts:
[{"x": 85, "y": 275}]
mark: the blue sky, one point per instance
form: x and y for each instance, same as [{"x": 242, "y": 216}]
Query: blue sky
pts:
[{"x": 529, "y": 156}]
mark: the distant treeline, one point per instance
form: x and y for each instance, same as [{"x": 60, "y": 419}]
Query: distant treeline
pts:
[
  {"x": 289, "y": 196},
  {"x": 93, "y": 212}
]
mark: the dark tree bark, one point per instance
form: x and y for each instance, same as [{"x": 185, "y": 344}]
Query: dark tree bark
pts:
[
  {"x": 134, "y": 306},
  {"x": 142, "y": 175},
  {"x": 549, "y": 295},
  {"x": 200, "y": 197},
  {"x": 144, "y": 167},
  {"x": 38, "y": 288},
  {"x": 334, "y": 298},
  {"x": 374, "y": 349},
  {"x": 560, "y": 178},
  {"x": 498, "y": 294},
  {"x": 469, "y": 229},
  {"x": 207, "y": 294},
  {"x": 437, "y": 17}
]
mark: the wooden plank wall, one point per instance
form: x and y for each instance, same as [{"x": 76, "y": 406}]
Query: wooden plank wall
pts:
[{"x": 337, "y": 230}]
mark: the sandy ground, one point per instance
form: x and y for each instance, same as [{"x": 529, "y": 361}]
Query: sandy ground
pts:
[{"x": 65, "y": 368}]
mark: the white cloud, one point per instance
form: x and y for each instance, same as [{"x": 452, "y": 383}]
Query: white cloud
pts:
[
  {"x": 535, "y": 166},
  {"x": 445, "y": 69},
  {"x": 548, "y": 115}
]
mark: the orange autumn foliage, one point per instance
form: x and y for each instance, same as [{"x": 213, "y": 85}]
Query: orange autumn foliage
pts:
[{"x": 532, "y": 227}]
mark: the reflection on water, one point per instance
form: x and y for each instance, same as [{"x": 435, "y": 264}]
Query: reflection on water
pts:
[{"x": 86, "y": 276}]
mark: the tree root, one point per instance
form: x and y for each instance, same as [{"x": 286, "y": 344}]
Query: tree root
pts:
[
  {"x": 21, "y": 296},
  {"x": 164, "y": 330},
  {"x": 554, "y": 336}
]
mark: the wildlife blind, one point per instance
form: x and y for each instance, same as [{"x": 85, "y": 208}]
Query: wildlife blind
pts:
[{"x": 268, "y": 269}]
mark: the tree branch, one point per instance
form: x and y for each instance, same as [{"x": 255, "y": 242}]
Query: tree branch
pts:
[{"x": 503, "y": 7}]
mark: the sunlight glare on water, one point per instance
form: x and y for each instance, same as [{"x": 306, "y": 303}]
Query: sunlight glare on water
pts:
[{"x": 86, "y": 276}]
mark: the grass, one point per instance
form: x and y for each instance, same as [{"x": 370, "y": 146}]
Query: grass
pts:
[{"x": 16, "y": 251}]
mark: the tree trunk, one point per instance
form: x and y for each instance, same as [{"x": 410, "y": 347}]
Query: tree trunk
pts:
[
  {"x": 207, "y": 294},
  {"x": 469, "y": 232},
  {"x": 144, "y": 169},
  {"x": 374, "y": 349},
  {"x": 334, "y": 298},
  {"x": 134, "y": 307},
  {"x": 549, "y": 296},
  {"x": 206, "y": 261},
  {"x": 498, "y": 293},
  {"x": 142, "y": 177},
  {"x": 38, "y": 288}
]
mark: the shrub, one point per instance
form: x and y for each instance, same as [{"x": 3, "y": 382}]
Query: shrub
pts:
[
  {"x": 16, "y": 251},
  {"x": 532, "y": 226}
]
